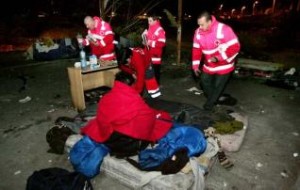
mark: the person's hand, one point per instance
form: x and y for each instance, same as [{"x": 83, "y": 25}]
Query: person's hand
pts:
[
  {"x": 134, "y": 76},
  {"x": 80, "y": 40},
  {"x": 197, "y": 72},
  {"x": 145, "y": 32},
  {"x": 213, "y": 60},
  {"x": 94, "y": 43}
]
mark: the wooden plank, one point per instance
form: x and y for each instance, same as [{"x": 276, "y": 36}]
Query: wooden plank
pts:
[
  {"x": 258, "y": 65},
  {"x": 101, "y": 78},
  {"x": 76, "y": 87},
  {"x": 81, "y": 81}
]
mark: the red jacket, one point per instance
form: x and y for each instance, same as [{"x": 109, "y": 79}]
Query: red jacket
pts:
[
  {"x": 156, "y": 39},
  {"x": 138, "y": 65},
  {"x": 218, "y": 41},
  {"x": 103, "y": 37},
  {"x": 123, "y": 110}
]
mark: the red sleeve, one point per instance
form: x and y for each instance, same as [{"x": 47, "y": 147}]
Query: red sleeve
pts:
[
  {"x": 126, "y": 69},
  {"x": 232, "y": 45},
  {"x": 108, "y": 39},
  {"x": 138, "y": 63},
  {"x": 196, "y": 52},
  {"x": 161, "y": 41}
]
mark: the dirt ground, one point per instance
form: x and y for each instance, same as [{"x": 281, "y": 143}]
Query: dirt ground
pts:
[{"x": 268, "y": 159}]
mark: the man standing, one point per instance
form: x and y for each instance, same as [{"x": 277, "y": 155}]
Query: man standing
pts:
[
  {"x": 100, "y": 38},
  {"x": 219, "y": 46},
  {"x": 156, "y": 40}
]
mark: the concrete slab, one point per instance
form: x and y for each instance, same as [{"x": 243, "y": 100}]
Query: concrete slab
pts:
[{"x": 267, "y": 151}]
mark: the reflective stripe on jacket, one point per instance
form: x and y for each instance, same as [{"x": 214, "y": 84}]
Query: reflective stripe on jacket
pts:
[{"x": 218, "y": 41}]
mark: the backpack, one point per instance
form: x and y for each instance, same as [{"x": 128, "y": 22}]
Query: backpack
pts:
[
  {"x": 57, "y": 179},
  {"x": 56, "y": 138}
]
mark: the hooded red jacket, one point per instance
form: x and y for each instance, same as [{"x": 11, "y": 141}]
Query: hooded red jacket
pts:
[{"x": 123, "y": 110}]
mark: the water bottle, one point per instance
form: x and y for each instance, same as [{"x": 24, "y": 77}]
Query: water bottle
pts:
[
  {"x": 93, "y": 61},
  {"x": 83, "y": 59}
]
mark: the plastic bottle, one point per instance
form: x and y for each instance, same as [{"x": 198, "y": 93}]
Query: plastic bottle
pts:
[
  {"x": 83, "y": 58},
  {"x": 82, "y": 53},
  {"x": 93, "y": 61}
]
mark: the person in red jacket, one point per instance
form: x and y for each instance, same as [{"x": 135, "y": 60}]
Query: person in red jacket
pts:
[
  {"x": 123, "y": 110},
  {"x": 100, "y": 38},
  {"x": 139, "y": 66},
  {"x": 218, "y": 45},
  {"x": 156, "y": 41}
]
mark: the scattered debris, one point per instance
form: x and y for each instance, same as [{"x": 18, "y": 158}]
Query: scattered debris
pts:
[
  {"x": 52, "y": 110},
  {"x": 24, "y": 100},
  {"x": 296, "y": 134},
  {"x": 17, "y": 172},
  {"x": 284, "y": 174},
  {"x": 195, "y": 90},
  {"x": 258, "y": 165},
  {"x": 287, "y": 80},
  {"x": 224, "y": 184},
  {"x": 296, "y": 154},
  {"x": 49, "y": 161},
  {"x": 290, "y": 72}
]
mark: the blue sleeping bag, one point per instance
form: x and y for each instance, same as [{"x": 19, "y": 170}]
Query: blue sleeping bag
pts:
[{"x": 179, "y": 137}]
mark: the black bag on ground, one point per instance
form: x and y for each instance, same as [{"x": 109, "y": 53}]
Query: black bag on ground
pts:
[
  {"x": 122, "y": 146},
  {"x": 169, "y": 166},
  {"x": 57, "y": 179},
  {"x": 56, "y": 138}
]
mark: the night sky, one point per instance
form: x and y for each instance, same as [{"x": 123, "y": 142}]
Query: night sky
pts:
[{"x": 69, "y": 7}]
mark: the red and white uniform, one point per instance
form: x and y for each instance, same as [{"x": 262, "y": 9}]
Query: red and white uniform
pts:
[
  {"x": 218, "y": 41},
  {"x": 101, "y": 39},
  {"x": 139, "y": 65},
  {"x": 156, "y": 39}
]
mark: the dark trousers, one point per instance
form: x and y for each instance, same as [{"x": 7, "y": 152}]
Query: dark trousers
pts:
[
  {"x": 213, "y": 86},
  {"x": 156, "y": 68}
]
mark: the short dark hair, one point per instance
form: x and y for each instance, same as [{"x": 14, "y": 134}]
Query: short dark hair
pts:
[
  {"x": 125, "y": 78},
  {"x": 153, "y": 16},
  {"x": 205, "y": 14}
]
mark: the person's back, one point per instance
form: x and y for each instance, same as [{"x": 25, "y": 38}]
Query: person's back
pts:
[{"x": 124, "y": 110}]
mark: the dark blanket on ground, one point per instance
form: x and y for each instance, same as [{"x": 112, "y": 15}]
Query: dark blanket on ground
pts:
[{"x": 180, "y": 112}]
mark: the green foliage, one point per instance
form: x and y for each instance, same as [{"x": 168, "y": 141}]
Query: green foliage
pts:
[{"x": 228, "y": 127}]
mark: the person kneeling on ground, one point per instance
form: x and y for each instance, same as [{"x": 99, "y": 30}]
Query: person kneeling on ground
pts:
[{"x": 123, "y": 110}]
